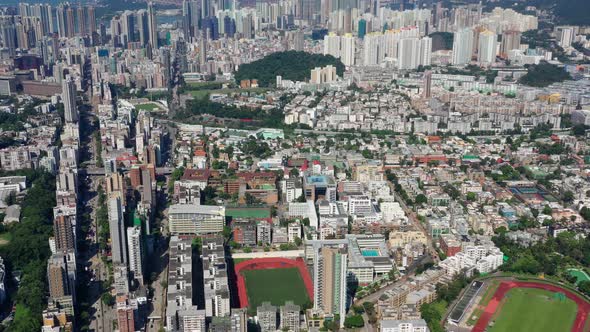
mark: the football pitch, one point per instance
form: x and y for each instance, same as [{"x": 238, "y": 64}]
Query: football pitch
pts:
[
  {"x": 275, "y": 286},
  {"x": 528, "y": 309}
]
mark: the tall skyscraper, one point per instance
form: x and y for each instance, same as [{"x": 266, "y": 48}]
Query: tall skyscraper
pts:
[
  {"x": 565, "y": 36},
  {"x": 206, "y": 10},
  {"x": 203, "y": 50},
  {"x": 486, "y": 53},
  {"x": 190, "y": 18},
  {"x": 81, "y": 16},
  {"x": 329, "y": 281},
  {"x": 347, "y": 49},
  {"x": 135, "y": 248},
  {"x": 332, "y": 45},
  {"x": 91, "y": 19},
  {"x": 408, "y": 53},
  {"x": 427, "y": 91},
  {"x": 374, "y": 50},
  {"x": 70, "y": 27},
  {"x": 127, "y": 27},
  {"x": 510, "y": 41},
  {"x": 462, "y": 46},
  {"x": 165, "y": 61},
  {"x": 68, "y": 97},
  {"x": 152, "y": 25},
  {"x": 61, "y": 20},
  {"x": 143, "y": 29},
  {"x": 45, "y": 13},
  {"x": 61, "y": 283},
  {"x": 425, "y": 51},
  {"x": 117, "y": 229},
  {"x": 8, "y": 34}
]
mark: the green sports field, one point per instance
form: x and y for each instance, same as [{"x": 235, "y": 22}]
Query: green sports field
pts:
[
  {"x": 529, "y": 309},
  {"x": 276, "y": 286}
]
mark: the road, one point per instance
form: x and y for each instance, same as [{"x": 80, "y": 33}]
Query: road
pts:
[
  {"x": 416, "y": 222},
  {"x": 93, "y": 267}
]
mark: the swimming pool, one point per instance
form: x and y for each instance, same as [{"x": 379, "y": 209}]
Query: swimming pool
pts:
[{"x": 370, "y": 253}]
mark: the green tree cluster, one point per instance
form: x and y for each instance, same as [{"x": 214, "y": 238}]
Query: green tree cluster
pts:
[
  {"x": 291, "y": 65},
  {"x": 271, "y": 119},
  {"x": 28, "y": 249},
  {"x": 544, "y": 74}
]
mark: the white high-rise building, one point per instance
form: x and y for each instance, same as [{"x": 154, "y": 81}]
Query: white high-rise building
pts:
[
  {"x": 68, "y": 97},
  {"x": 332, "y": 45},
  {"x": 486, "y": 53},
  {"x": 117, "y": 229},
  {"x": 413, "y": 52},
  {"x": 391, "y": 40},
  {"x": 566, "y": 36},
  {"x": 134, "y": 247},
  {"x": 347, "y": 49},
  {"x": 425, "y": 51},
  {"x": 408, "y": 53},
  {"x": 373, "y": 50},
  {"x": 462, "y": 46}
]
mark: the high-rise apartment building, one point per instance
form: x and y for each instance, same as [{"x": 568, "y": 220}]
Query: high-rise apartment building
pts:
[
  {"x": 117, "y": 230},
  {"x": 289, "y": 317},
  {"x": 510, "y": 41},
  {"x": 61, "y": 283},
  {"x": 462, "y": 47},
  {"x": 81, "y": 15},
  {"x": 135, "y": 249},
  {"x": 329, "y": 280},
  {"x": 427, "y": 90},
  {"x": 347, "y": 49},
  {"x": 152, "y": 25},
  {"x": 486, "y": 54},
  {"x": 267, "y": 317},
  {"x": 91, "y": 19},
  {"x": 68, "y": 96},
  {"x": 8, "y": 34}
]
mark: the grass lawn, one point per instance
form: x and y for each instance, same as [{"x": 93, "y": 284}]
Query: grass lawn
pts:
[
  {"x": 528, "y": 309},
  {"x": 146, "y": 107},
  {"x": 5, "y": 238},
  {"x": 276, "y": 286}
]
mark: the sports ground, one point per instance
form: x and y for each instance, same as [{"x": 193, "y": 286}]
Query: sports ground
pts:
[
  {"x": 275, "y": 280},
  {"x": 275, "y": 286},
  {"x": 533, "y": 306}
]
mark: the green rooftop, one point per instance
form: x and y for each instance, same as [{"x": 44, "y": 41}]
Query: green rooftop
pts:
[{"x": 247, "y": 212}]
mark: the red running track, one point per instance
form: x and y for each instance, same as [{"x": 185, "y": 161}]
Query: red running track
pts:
[
  {"x": 505, "y": 286},
  {"x": 270, "y": 263}
]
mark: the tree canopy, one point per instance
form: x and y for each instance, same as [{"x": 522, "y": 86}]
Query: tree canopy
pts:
[
  {"x": 28, "y": 249},
  {"x": 291, "y": 65},
  {"x": 544, "y": 74}
]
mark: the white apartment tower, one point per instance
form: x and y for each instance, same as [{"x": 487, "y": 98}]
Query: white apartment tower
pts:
[
  {"x": 462, "y": 46},
  {"x": 486, "y": 54},
  {"x": 134, "y": 247},
  {"x": 117, "y": 230}
]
